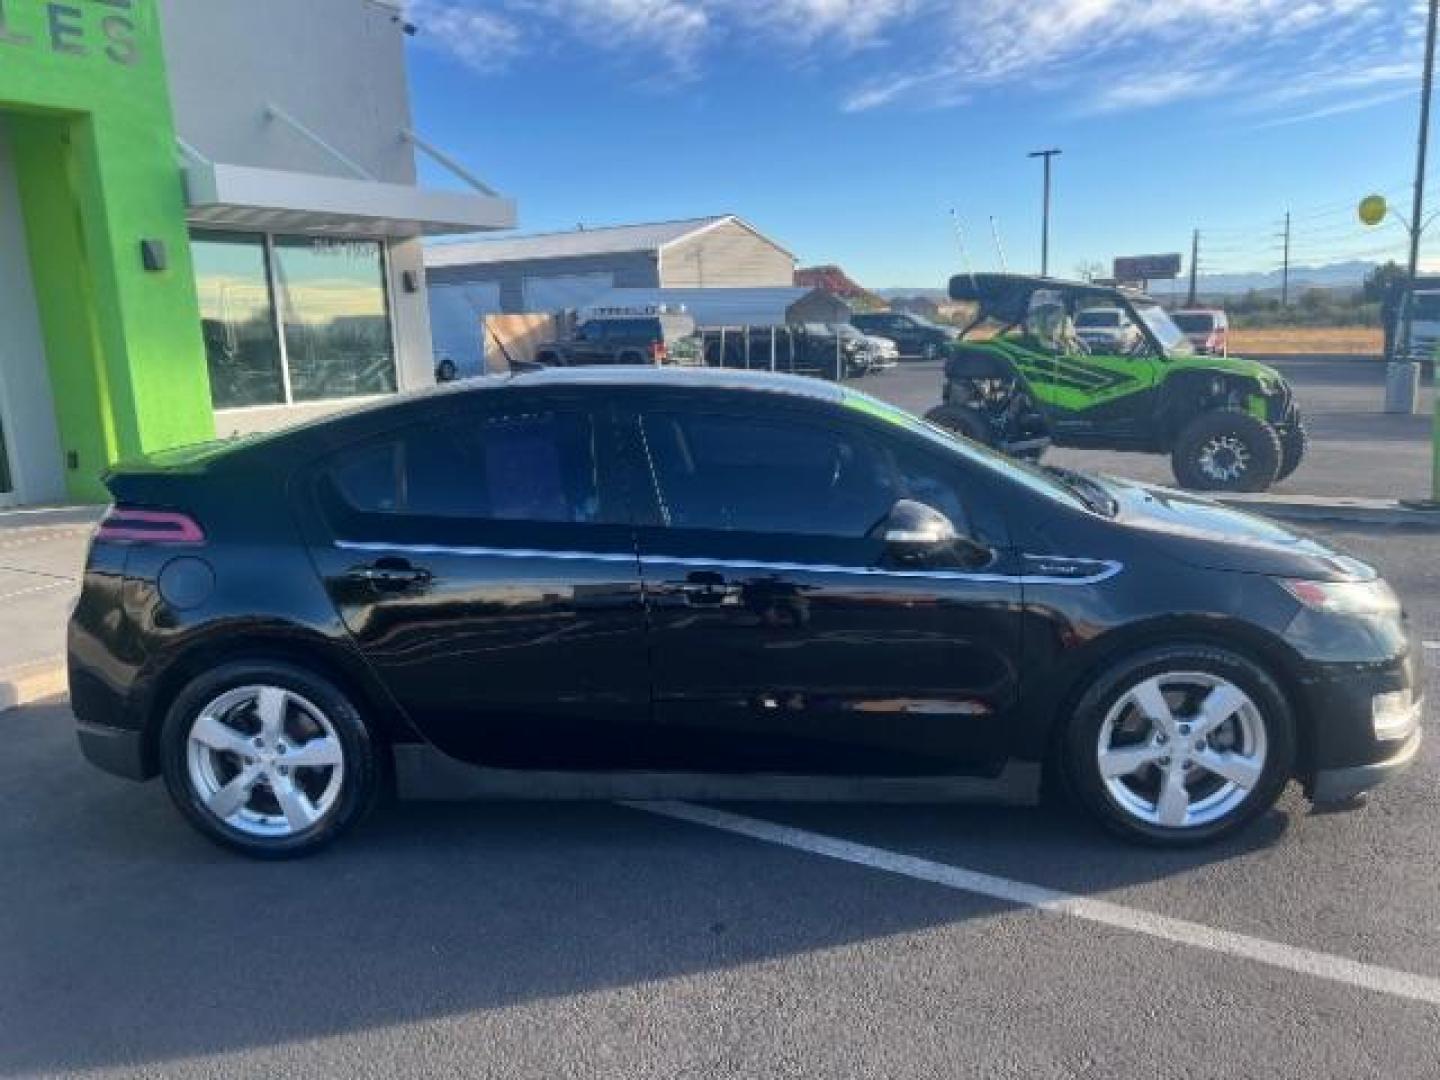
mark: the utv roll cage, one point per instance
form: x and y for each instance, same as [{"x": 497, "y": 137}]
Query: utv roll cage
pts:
[{"x": 1005, "y": 299}]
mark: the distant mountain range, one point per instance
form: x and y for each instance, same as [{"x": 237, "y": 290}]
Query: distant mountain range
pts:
[{"x": 1341, "y": 275}]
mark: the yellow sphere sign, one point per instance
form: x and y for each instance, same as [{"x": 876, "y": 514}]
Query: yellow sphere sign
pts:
[{"x": 1373, "y": 209}]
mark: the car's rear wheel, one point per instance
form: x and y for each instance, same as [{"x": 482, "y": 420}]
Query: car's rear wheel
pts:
[
  {"x": 1294, "y": 445},
  {"x": 1180, "y": 745},
  {"x": 268, "y": 759},
  {"x": 1227, "y": 450}
]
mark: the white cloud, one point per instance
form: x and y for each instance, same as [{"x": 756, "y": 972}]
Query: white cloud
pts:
[
  {"x": 479, "y": 37},
  {"x": 1091, "y": 55}
]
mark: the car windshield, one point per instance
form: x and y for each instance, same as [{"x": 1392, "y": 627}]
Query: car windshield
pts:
[
  {"x": 1050, "y": 485},
  {"x": 1172, "y": 339},
  {"x": 1089, "y": 320},
  {"x": 845, "y": 330},
  {"x": 1195, "y": 322}
]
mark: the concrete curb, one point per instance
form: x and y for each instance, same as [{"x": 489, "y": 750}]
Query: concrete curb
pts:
[
  {"x": 50, "y": 516},
  {"x": 31, "y": 683},
  {"x": 1340, "y": 510}
]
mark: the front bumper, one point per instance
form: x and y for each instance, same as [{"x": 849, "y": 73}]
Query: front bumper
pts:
[
  {"x": 1343, "y": 784},
  {"x": 115, "y": 750}
]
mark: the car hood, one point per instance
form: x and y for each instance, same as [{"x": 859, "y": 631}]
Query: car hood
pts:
[{"x": 1204, "y": 533}]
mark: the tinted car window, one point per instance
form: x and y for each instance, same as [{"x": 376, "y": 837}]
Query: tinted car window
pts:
[
  {"x": 637, "y": 330},
  {"x": 1194, "y": 322},
  {"x": 766, "y": 475},
  {"x": 523, "y": 466}
]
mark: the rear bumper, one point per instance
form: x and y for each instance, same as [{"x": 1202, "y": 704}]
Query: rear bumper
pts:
[{"x": 1341, "y": 785}]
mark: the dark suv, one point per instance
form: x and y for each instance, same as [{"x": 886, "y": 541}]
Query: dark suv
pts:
[
  {"x": 669, "y": 583},
  {"x": 915, "y": 336},
  {"x": 651, "y": 339}
]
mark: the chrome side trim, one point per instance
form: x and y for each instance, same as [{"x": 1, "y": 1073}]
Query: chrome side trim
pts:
[
  {"x": 489, "y": 552},
  {"x": 1110, "y": 568},
  {"x": 1109, "y": 571}
]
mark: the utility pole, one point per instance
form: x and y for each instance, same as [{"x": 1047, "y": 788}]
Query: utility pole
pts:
[
  {"x": 1417, "y": 212},
  {"x": 1047, "y": 155},
  {"x": 1194, "y": 266},
  {"x": 1285, "y": 266}
]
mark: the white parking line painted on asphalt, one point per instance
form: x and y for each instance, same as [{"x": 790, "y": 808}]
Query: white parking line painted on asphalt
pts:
[
  {"x": 63, "y": 583},
  {"x": 1288, "y": 957}
]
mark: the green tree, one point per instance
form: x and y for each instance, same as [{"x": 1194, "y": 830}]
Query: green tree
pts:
[{"x": 1379, "y": 281}]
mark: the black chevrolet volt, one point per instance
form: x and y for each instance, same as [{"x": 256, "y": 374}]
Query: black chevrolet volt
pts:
[{"x": 648, "y": 583}]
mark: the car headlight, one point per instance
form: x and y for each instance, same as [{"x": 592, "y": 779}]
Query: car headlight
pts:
[{"x": 1345, "y": 597}]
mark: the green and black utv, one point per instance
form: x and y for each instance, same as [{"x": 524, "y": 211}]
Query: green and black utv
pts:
[{"x": 1227, "y": 424}]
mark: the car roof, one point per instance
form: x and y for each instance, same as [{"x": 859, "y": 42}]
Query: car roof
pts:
[{"x": 650, "y": 377}]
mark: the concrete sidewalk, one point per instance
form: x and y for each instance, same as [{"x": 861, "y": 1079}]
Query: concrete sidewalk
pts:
[{"x": 42, "y": 554}]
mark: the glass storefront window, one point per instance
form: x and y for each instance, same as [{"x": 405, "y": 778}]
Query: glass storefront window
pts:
[
  {"x": 238, "y": 320},
  {"x": 336, "y": 319}
]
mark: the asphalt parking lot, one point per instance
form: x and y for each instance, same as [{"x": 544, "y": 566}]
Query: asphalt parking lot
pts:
[{"x": 554, "y": 940}]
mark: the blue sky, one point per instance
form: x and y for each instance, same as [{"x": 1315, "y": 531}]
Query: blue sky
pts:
[{"x": 849, "y": 129}]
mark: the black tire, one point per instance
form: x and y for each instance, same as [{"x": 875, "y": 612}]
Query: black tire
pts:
[
  {"x": 629, "y": 358},
  {"x": 446, "y": 371},
  {"x": 359, "y": 782},
  {"x": 1234, "y": 440},
  {"x": 1080, "y": 745},
  {"x": 547, "y": 359},
  {"x": 1294, "y": 445},
  {"x": 962, "y": 421}
]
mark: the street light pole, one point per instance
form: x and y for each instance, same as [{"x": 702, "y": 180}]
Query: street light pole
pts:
[
  {"x": 1045, "y": 220},
  {"x": 1417, "y": 227}
]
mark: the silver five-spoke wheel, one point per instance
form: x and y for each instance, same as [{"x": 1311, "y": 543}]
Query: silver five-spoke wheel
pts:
[
  {"x": 1182, "y": 749},
  {"x": 265, "y": 761}
]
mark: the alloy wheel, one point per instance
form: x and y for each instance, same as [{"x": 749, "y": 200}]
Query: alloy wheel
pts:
[
  {"x": 1182, "y": 750},
  {"x": 1224, "y": 459},
  {"x": 265, "y": 761}
]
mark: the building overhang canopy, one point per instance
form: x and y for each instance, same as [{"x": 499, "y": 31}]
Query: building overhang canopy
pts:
[{"x": 274, "y": 200}]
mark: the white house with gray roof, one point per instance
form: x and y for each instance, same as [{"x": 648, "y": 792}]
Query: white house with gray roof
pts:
[{"x": 565, "y": 271}]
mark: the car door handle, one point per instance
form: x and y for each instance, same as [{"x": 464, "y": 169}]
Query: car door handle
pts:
[{"x": 391, "y": 574}]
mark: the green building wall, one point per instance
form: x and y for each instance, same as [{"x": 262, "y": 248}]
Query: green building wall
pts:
[{"x": 84, "y": 91}]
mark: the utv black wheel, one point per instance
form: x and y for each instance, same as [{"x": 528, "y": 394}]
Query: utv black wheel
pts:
[
  {"x": 1294, "y": 444},
  {"x": 1180, "y": 745},
  {"x": 962, "y": 421},
  {"x": 1227, "y": 450},
  {"x": 268, "y": 759}
]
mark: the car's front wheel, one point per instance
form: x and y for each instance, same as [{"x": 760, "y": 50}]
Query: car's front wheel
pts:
[
  {"x": 1227, "y": 450},
  {"x": 1180, "y": 745},
  {"x": 267, "y": 758}
]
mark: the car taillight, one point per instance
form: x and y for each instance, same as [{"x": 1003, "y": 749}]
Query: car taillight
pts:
[
  {"x": 659, "y": 352},
  {"x": 123, "y": 525}
]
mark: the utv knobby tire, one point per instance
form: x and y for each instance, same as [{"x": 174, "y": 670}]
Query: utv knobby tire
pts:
[
  {"x": 1294, "y": 445},
  {"x": 962, "y": 421},
  {"x": 1260, "y": 441}
]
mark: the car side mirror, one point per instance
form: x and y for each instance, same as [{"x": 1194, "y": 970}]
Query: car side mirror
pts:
[{"x": 916, "y": 535}]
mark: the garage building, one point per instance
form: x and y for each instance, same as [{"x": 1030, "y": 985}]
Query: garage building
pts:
[{"x": 564, "y": 271}]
